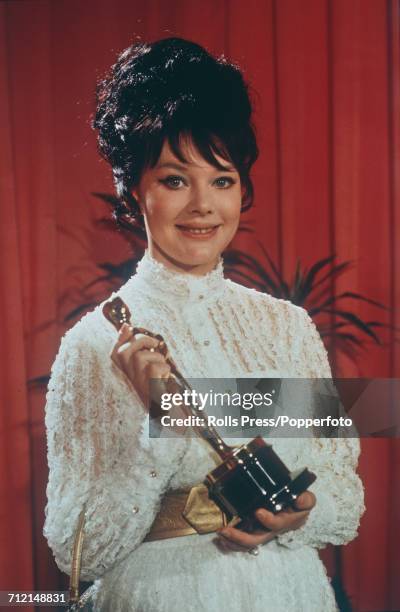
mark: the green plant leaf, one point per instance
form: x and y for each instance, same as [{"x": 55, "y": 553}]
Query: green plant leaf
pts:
[{"x": 349, "y": 316}]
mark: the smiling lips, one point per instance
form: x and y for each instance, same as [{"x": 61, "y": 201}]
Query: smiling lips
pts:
[{"x": 198, "y": 232}]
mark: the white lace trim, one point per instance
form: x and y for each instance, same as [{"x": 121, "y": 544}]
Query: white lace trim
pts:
[{"x": 170, "y": 284}]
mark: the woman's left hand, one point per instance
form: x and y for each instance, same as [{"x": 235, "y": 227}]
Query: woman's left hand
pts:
[{"x": 272, "y": 525}]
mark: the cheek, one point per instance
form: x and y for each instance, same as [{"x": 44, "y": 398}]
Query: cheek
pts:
[
  {"x": 161, "y": 209},
  {"x": 232, "y": 206}
]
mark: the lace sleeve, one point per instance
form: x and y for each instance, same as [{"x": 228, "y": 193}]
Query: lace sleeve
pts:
[
  {"x": 338, "y": 489},
  {"x": 99, "y": 453}
]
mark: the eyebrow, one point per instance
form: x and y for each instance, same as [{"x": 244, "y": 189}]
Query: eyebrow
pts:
[{"x": 182, "y": 168}]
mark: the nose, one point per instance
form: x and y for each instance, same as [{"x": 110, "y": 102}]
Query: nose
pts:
[{"x": 201, "y": 202}]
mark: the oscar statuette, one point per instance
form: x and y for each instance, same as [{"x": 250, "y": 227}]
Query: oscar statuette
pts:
[{"x": 249, "y": 476}]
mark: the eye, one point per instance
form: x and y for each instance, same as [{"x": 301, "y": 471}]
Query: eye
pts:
[
  {"x": 172, "y": 181},
  {"x": 224, "y": 182}
]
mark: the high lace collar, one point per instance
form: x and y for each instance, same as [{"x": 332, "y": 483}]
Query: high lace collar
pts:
[{"x": 156, "y": 278}]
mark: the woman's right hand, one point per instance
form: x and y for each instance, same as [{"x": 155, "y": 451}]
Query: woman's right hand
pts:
[{"x": 133, "y": 355}]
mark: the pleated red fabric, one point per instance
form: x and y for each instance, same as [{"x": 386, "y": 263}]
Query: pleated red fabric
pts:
[{"x": 326, "y": 89}]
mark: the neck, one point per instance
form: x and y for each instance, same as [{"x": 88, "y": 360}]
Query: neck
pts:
[
  {"x": 157, "y": 279},
  {"x": 177, "y": 266}
]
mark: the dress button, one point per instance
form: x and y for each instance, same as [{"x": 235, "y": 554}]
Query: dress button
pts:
[
  {"x": 153, "y": 473},
  {"x": 206, "y": 342},
  {"x": 201, "y": 296},
  {"x": 135, "y": 509}
]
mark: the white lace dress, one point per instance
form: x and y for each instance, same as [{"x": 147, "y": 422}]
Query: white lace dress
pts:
[{"x": 99, "y": 452}]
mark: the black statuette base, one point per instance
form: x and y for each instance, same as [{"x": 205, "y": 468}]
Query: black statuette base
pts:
[{"x": 255, "y": 477}]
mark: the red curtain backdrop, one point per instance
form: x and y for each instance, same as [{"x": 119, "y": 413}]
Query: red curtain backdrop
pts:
[{"x": 326, "y": 79}]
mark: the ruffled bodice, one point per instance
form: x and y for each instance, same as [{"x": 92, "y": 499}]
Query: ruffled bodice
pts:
[{"x": 99, "y": 451}]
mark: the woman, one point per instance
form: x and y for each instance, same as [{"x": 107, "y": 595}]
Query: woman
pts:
[{"x": 175, "y": 125}]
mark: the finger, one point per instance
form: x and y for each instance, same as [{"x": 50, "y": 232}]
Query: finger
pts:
[
  {"x": 144, "y": 342},
  {"x": 246, "y": 540},
  {"x": 293, "y": 521},
  {"x": 165, "y": 372},
  {"x": 156, "y": 384},
  {"x": 301, "y": 522},
  {"x": 136, "y": 362},
  {"x": 227, "y": 545},
  {"x": 157, "y": 372},
  {"x": 144, "y": 331},
  {"x": 126, "y": 358},
  {"x": 127, "y": 341},
  {"x": 144, "y": 358},
  {"x": 123, "y": 347},
  {"x": 282, "y": 521},
  {"x": 306, "y": 501},
  {"x": 162, "y": 347},
  {"x": 157, "y": 369},
  {"x": 124, "y": 335}
]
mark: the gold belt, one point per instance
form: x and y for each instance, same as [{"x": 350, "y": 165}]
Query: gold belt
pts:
[{"x": 186, "y": 512}]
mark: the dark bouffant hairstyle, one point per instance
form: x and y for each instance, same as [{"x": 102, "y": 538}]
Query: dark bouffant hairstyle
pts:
[{"x": 164, "y": 90}]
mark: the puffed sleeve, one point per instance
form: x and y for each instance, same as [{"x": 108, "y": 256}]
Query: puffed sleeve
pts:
[
  {"x": 338, "y": 489},
  {"x": 100, "y": 454}
]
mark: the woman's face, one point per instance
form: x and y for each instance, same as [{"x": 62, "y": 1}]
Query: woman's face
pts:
[{"x": 177, "y": 200}]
